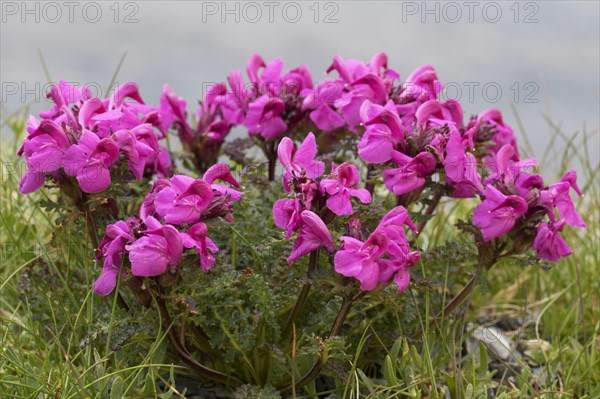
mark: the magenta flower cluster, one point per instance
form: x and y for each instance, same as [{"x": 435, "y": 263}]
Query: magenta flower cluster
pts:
[
  {"x": 268, "y": 105},
  {"x": 383, "y": 257},
  {"x": 171, "y": 221},
  {"x": 84, "y": 136},
  {"x": 516, "y": 196},
  {"x": 417, "y": 144}
]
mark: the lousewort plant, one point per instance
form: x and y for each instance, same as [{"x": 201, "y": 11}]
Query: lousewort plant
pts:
[{"x": 253, "y": 277}]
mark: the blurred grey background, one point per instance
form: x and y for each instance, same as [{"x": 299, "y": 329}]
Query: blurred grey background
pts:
[{"x": 542, "y": 57}]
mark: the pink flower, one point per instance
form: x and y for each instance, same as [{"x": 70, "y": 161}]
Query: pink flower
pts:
[
  {"x": 512, "y": 174},
  {"x": 159, "y": 160},
  {"x": 297, "y": 161},
  {"x": 264, "y": 117},
  {"x": 368, "y": 88},
  {"x": 183, "y": 200},
  {"x": 160, "y": 247},
  {"x": 44, "y": 150},
  {"x": 320, "y": 101},
  {"x": 286, "y": 215},
  {"x": 295, "y": 81},
  {"x": 365, "y": 262},
  {"x": 268, "y": 78},
  {"x": 504, "y": 133},
  {"x": 361, "y": 82},
  {"x": 147, "y": 208},
  {"x": 498, "y": 213},
  {"x": 126, "y": 90},
  {"x": 342, "y": 185},
  {"x": 313, "y": 235},
  {"x": 112, "y": 248},
  {"x": 548, "y": 244},
  {"x": 561, "y": 196},
  {"x": 395, "y": 219},
  {"x": 219, "y": 99},
  {"x": 137, "y": 152},
  {"x": 220, "y": 171},
  {"x": 411, "y": 172},
  {"x": 360, "y": 260},
  {"x": 434, "y": 113},
  {"x": 173, "y": 111},
  {"x": 384, "y": 132},
  {"x": 196, "y": 237},
  {"x": 63, "y": 95},
  {"x": 89, "y": 160},
  {"x": 461, "y": 168},
  {"x": 400, "y": 256},
  {"x": 396, "y": 269},
  {"x": 420, "y": 86}
]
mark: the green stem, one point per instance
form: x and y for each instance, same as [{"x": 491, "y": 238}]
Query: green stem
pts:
[
  {"x": 183, "y": 354},
  {"x": 370, "y": 186},
  {"x": 312, "y": 265},
  {"x": 456, "y": 301},
  {"x": 428, "y": 212},
  {"x": 484, "y": 260},
  {"x": 322, "y": 360}
]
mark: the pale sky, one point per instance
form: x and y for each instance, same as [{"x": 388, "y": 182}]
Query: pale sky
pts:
[{"x": 541, "y": 56}]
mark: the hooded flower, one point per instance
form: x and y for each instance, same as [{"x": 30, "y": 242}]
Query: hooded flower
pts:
[
  {"x": 89, "y": 160},
  {"x": 64, "y": 95},
  {"x": 272, "y": 97},
  {"x": 301, "y": 160},
  {"x": 183, "y": 200},
  {"x": 172, "y": 112},
  {"x": 111, "y": 249},
  {"x": 286, "y": 215},
  {"x": 498, "y": 213},
  {"x": 434, "y": 113},
  {"x": 136, "y": 151},
  {"x": 504, "y": 134},
  {"x": 320, "y": 101},
  {"x": 160, "y": 247},
  {"x": 420, "y": 86},
  {"x": 461, "y": 168},
  {"x": 384, "y": 132},
  {"x": 264, "y": 117},
  {"x": 410, "y": 174},
  {"x": 548, "y": 244},
  {"x": 561, "y": 194},
  {"x": 44, "y": 150},
  {"x": 366, "y": 262},
  {"x": 340, "y": 186},
  {"x": 400, "y": 256},
  {"x": 196, "y": 237},
  {"x": 220, "y": 100},
  {"x": 361, "y": 82},
  {"x": 513, "y": 174},
  {"x": 313, "y": 235},
  {"x": 360, "y": 260},
  {"x": 395, "y": 269},
  {"x": 221, "y": 171}
]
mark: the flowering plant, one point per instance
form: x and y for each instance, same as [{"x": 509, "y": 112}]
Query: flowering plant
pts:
[{"x": 366, "y": 160}]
